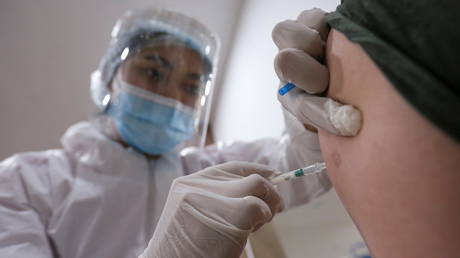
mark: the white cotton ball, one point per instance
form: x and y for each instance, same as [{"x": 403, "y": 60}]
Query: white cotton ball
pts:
[{"x": 345, "y": 118}]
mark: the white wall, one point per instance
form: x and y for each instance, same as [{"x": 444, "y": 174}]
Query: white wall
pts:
[
  {"x": 250, "y": 84},
  {"x": 48, "y": 49},
  {"x": 320, "y": 229},
  {"x": 248, "y": 110}
]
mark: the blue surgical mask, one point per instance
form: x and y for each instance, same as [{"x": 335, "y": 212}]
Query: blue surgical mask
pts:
[{"x": 149, "y": 122}]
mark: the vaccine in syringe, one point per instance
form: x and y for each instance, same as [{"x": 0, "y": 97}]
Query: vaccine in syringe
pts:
[{"x": 312, "y": 169}]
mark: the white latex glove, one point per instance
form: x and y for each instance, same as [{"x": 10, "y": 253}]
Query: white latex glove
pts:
[
  {"x": 212, "y": 212},
  {"x": 300, "y": 62}
]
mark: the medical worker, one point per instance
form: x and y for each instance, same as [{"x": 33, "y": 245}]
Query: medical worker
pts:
[
  {"x": 102, "y": 193},
  {"x": 211, "y": 213}
]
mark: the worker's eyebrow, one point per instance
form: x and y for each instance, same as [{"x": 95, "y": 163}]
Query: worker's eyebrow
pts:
[
  {"x": 159, "y": 59},
  {"x": 195, "y": 76}
]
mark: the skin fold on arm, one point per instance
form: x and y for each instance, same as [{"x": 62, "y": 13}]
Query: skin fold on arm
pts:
[{"x": 399, "y": 178}]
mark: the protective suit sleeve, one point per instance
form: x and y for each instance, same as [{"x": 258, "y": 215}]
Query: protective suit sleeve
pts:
[
  {"x": 297, "y": 147},
  {"x": 25, "y": 207}
]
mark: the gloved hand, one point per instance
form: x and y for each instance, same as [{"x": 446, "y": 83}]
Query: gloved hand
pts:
[
  {"x": 300, "y": 61},
  {"x": 211, "y": 213}
]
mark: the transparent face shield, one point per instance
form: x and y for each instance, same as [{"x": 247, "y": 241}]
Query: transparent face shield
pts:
[{"x": 158, "y": 75}]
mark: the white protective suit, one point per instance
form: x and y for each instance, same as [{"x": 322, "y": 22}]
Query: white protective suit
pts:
[{"x": 96, "y": 198}]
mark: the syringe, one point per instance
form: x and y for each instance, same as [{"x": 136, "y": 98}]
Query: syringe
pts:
[{"x": 312, "y": 169}]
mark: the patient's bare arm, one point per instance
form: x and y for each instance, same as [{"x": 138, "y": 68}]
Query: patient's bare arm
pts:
[{"x": 399, "y": 178}]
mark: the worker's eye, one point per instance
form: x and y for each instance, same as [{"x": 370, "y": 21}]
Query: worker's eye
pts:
[
  {"x": 192, "y": 89},
  {"x": 154, "y": 74}
]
